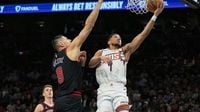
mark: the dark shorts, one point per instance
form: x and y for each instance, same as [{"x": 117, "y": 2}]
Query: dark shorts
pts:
[{"x": 68, "y": 104}]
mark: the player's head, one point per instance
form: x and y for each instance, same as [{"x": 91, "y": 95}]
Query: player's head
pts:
[
  {"x": 60, "y": 42},
  {"x": 114, "y": 40},
  {"x": 47, "y": 91}
]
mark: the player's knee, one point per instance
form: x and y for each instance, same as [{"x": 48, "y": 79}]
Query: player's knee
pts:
[
  {"x": 124, "y": 111},
  {"x": 122, "y": 108},
  {"x": 103, "y": 110}
]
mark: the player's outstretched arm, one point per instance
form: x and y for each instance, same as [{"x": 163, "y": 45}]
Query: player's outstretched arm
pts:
[
  {"x": 96, "y": 59},
  {"x": 136, "y": 42},
  {"x": 89, "y": 24}
]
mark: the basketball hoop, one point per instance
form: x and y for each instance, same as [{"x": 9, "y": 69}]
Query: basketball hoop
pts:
[{"x": 137, "y": 6}]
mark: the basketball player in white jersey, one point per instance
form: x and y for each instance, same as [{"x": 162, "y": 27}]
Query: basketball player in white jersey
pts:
[{"x": 110, "y": 66}]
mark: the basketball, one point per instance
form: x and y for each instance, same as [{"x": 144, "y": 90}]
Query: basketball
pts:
[{"x": 153, "y": 4}]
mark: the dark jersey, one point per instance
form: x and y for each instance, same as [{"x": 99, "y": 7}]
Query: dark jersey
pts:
[
  {"x": 68, "y": 73},
  {"x": 47, "y": 108}
]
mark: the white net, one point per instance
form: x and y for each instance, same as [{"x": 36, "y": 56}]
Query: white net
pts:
[{"x": 137, "y": 6}]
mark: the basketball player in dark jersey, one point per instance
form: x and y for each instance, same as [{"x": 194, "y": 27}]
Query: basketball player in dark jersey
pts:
[
  {"x": 67, "y": 66},
  {"x": 47, "y": 104}
]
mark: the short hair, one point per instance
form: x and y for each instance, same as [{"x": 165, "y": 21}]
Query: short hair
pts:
[
  {"x": 45, "y": 86},
  {"x": 109, "y": 36},
  {"x": 55, "y": 41}
]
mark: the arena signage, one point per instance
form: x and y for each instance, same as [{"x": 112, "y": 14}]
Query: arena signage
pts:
[{"x": 74, "y": 6}]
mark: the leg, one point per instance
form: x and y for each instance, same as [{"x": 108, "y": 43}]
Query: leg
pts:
[
  {"x": 124, "y": 111},
  {"x": 121, "y": 104},
  {"x": 68, "y": 104},
  {"x": 104, "y": 101},
  {"x": 104, "y": 106},
  {"x": 120, "y": 101},
  {"x": 122, "y": 108}
]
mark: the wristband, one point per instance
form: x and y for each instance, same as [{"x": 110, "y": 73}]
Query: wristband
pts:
[{"x": 153, "y": 18}]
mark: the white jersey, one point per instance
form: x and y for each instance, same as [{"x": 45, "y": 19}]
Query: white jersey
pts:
[{"x": 116, "y": 72}]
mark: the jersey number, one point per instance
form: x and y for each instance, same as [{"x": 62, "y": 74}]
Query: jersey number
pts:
[{"x": 60, "y": 76}]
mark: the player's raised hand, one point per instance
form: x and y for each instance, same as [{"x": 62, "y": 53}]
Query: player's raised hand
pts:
[
  {"x": 83, "y": 53},
  {"x": 159, "y": 9}
]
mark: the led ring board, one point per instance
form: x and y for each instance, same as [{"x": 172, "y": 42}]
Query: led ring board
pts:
[{"x": 74, "y": 6}]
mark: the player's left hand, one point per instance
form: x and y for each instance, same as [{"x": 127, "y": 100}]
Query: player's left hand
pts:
[{"x": 106, "y": 59}]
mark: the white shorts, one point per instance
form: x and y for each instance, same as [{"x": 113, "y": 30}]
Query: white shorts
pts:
[{"x": 110, "y": 96}]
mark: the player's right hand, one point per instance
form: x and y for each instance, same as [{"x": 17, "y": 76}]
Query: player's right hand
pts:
[{"x": 106, "y": 59}]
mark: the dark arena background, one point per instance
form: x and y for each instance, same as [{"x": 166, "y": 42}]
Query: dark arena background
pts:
[{"x": 163, "y": 74}]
